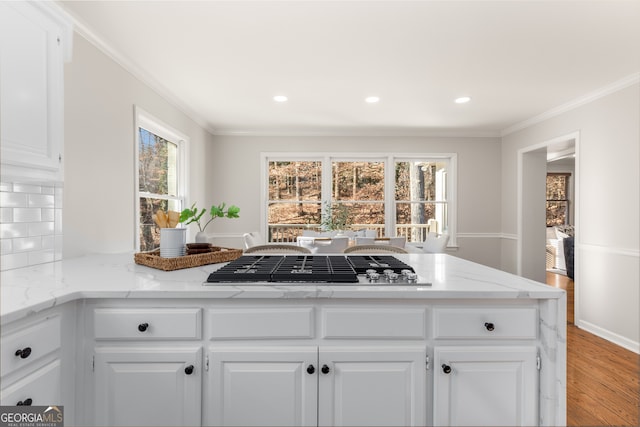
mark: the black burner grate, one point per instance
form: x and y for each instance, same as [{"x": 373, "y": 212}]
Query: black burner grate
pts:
[{"x": 304, "y": 268}]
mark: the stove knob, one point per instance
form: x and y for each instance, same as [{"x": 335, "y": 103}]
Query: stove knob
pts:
[
  {"x": 406, "y": 272},
  {"x": 412, "y": 277},
  {"x": 387, "y": 272},
  {"x": 374, "y": 277},
  {"x": 393, "y": 277}
]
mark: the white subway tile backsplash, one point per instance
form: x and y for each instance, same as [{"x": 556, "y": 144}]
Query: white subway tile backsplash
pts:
[
  {"x": 27, "y": 244},
  {"x": 48, "y": 242},
  {"x": 40, "y": 257},
  {"x": 13, "y": 200},
  {"x": 6, "y": 246},
  {"x": 57, "y": 220},
  {"x": 6, "y": 215},
  {"x": 47, "y": 214},
  {"x": 27, "y": 215},
  {"x": 41, "y": 228},
  {"x": 30, "y": 224},
  {"x": 41, "y": 200},
  {"x": 10, "y": 261},
  {"x": 26, "y": 188},
  {"x": 13, "y": 230}
]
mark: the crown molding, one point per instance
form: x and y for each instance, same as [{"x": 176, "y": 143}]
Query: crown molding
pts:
[
  {"x": 585, "y": 99},
  {"x": 128, "y": 65},
  {"x": 363, "y": 133}
]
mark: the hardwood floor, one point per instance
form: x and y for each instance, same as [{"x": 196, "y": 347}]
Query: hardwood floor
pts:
[{"x": 603, "y": 386}]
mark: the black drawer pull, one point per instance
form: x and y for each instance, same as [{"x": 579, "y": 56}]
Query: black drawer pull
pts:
[
  {"x": 446, "y": 368},
  {"x": 490, "y": 326},
  {"x": 143, "y": 327},
  {"x": 24, "y": 353},
  {"x": 26, "y": 402},
  {"x": 188, "y": 370},
  {"x": 325, "y": 369},
  {"x": 311, "y": 369}
]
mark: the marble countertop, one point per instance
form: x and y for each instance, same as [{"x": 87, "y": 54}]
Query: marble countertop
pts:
[{"x": 32, "y": 289}]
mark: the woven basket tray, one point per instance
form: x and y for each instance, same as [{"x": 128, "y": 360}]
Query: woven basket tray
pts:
[{"x": 153, "y": 259}]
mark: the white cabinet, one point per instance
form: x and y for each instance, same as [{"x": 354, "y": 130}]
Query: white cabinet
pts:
[
  {"x": 35, "y": 38},
  {"x": 379, "y": 386},
  {"x": 480, "y": 385},
  {"x": 485, "y": 386},
  {"x": 147, "y": 366},
  {"x": 308, "y": 386},
  {"x": 41, "y": 388},
  {"x": 142, "y": 386},
  {"x": 271, "y": 386},
  {"x": 31, "y": 363}
]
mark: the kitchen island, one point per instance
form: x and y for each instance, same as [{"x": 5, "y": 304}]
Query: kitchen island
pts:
[{"x": 473, "y": 346}]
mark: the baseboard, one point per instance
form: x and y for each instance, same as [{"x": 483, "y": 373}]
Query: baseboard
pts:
[{"x": 610, "y": 336}]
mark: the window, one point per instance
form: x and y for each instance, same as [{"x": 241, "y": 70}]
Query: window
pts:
[
  {"x": 160, "y": 180},
  {"x": 557, "y": 199},
  {"x": 421, "y": 198},
  {"x": 394, "y": 195}
]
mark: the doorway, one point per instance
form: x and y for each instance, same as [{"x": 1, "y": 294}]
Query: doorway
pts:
[{"x": 556, "y": 155}]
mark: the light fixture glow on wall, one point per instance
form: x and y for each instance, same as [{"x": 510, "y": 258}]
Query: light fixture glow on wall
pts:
[
  {"x": 280, "y": 98},
  {"x": 463, "y": 100},
  {"x": 372, "y": 99}
]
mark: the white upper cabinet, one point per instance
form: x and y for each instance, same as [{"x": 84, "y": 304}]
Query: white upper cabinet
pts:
[{"x": 35, "y": 40}]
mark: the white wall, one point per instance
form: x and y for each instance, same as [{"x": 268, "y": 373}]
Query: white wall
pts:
[
  {"x": 236, "y": 172},
  {"x": 99, "y": 146},
  {"x": 607, "y": 269}
]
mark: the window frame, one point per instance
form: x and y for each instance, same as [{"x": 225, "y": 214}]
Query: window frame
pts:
[
  {"x": 389, "y": 160},
  {"x": 154, "y": 125},
  {"x": 567, "y": 200}
]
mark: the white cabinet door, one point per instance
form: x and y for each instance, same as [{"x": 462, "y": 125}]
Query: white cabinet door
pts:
[
  {"x": 263, "y": 386},
  {"x": 31, "y": 86},
  {"x": 148, "y": 386},
  {"x": 41, "y": 388},
  {"x": 485, "y": 386},
  {"x": 372, "y": 386}
]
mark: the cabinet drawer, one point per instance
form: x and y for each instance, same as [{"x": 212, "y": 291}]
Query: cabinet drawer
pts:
[
  {"x": 261, "y": 323},
  {"x": 42, "y": 387},
  {"x": 374, "y": 323},
  {"x": 23, "y": 347},
  {"x": 514, "y": 323},
  {"x": 147, "y": 323}
]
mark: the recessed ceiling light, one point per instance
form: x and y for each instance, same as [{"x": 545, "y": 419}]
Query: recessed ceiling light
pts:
[
  {"x": 463, "y": 100},
  {"x": 372, "y": 99},
  {"x": 280, "y": 98}
]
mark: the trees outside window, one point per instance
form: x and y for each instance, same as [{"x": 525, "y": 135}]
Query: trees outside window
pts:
[
  {"x": 558, "y": 199},
  {"x": 393, "y": 195},
  {"x": 160, "y": 182}
]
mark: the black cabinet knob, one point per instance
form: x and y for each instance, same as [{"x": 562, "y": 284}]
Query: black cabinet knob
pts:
[
  {"x": 325, "y": 369},
  {"x": 143, "y": 327},
  {"x": 26, "y": 402},
  {"x": 490, "y": 327},
  {"x": 311, "y": 369},
  {"x": 188, "y": 370},
  {"x": 24, "y": 353},
  {"x": 446, "y": 368}
]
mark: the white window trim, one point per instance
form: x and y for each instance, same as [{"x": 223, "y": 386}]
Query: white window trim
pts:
[
  {"x": 389, "y": 185},
  {"x": 143, "y": 119}
]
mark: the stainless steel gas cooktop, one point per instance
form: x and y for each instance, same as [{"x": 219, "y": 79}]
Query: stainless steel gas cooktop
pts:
[{"x": 301, "y": 269}]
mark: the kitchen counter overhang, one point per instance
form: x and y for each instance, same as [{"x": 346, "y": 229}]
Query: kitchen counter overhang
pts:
[{"x": 29, "y": 290}]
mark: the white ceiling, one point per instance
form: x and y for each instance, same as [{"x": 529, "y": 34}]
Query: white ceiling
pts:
[{"x": 223, "y": 61}]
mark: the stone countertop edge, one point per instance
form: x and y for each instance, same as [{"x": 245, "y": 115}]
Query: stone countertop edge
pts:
[{"x": 30, "y": 290}]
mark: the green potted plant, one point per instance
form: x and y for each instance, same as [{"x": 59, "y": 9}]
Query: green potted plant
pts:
[
  {"x": 335, "y": 218},
  {"x": 193, "y": 214}
]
